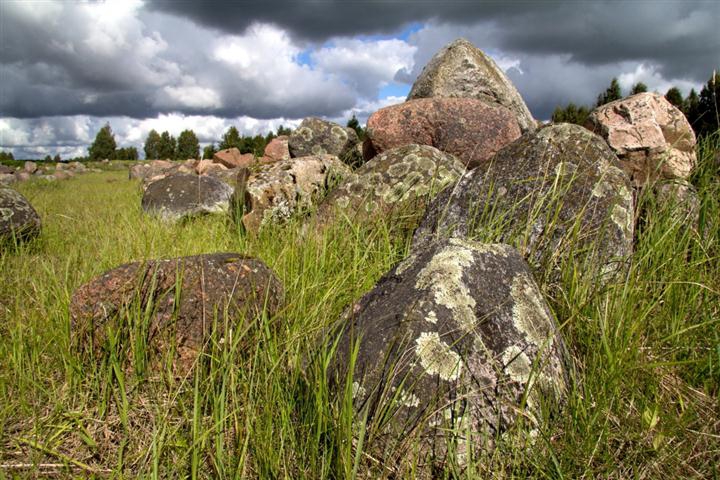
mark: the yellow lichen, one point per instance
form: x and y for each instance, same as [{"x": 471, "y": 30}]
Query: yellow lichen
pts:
[{"x": 436, "y": 357}]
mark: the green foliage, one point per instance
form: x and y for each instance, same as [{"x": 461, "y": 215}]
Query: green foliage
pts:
[
  {"x": 152, "y": 144},
  {"x": 127, "y": 153},
  {"x": 283, "y": 131},
  {"x": 355, "y": 125},
  {"x": 675, "y": 97},
  {"x": 57, "y": 158},
  {"x": 639, "y": 87},
  {"x": 209, "y": 151},
  {"x": 611, "y": 94},
  {"x": 187, "y": 145},
  {"x": 571, "y": 114},
  {"x": 47, "y": 158},
  {"x": 231, "y": 139},
  {"x": 707, "y": 120},
  {"x": 166, "y": 146},
  {"x": 6, "y": 156},
  {"x": 104, "y": 145}
]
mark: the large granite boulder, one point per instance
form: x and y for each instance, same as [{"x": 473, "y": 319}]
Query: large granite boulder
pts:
[
  {"x": 232, "y": 158},
  {"x": 183, "y": 195},
  {"x": 556, "y": 193},
  {"x": 187, "y": 301},
  {"x": 277, "y": 149},
  {"x": 403, "y": 178},
  {"x": 274, "y": 192},
  {"x": 5, "y": 170},
  {"x": 650, "y": 136},
  {"x": 30, "y": 167},
  {"x": 152, "y": 171},
  {"x": 18, "y": 219},
  {"x": 470, "y": 129},
  {"x": 7, "y": 178},
  {"x": 453, "y": 346},
  {"x": 317, "y": 137},
  {"x": 462, "y": 70}
]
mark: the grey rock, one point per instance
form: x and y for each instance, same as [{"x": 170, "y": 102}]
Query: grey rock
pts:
[
  {"x": 182, "y": 195},
  {"x": 318, "y": 137},
  {"x": 455, "y": 343},
  {"x": 30, "y": 167},
  {"x": 556, "y": 194},
  {"x": 462, "y": 70},
  {"x": 18, "y": 219}
]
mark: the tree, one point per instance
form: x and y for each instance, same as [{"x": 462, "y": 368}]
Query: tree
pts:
[
  {"x": 166, "y": 146},
  {"x": 355, "y": 125},
  {"x": 639, "y": 87},
  {"x": 708, "y": 114},
  {"x": 104, "y": 144},
  {"x": 6, "y": 156},
  {"x": 47, "y": 158},
  {"x": 571, "y": 114},
  {"x": 231, "y": 139},
  {"x": 127, "y": 153},
  {"x": 209, "y": 151},
  {"x": 610, "y": 94},
  {"x": 187, "y": 145},
  {"x": 283, "y": 131},
  {"x": 674, "y": 96},
  {"x": 691, "y": 107},
  {"x": 57, "y": 158},
  {"x": 151, "y": 144}
]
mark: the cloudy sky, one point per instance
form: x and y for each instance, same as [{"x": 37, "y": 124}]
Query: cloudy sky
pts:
[{"x": 67, "y": 67}]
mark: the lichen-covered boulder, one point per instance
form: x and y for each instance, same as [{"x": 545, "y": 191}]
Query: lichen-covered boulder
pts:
[
  {"x": 555, "y": 194},
  {"x": 18, "y": 219},
  {"x": 402, "y": 178},
  {"x": 183, "y": 195},
  {"x": 453, "y": 346},
  {"x": 151, "y": 171},
  {"x": 461, "y": 70},
  {"x": 185, "y": 299},
  {"x": 274, "y": 192},
  {"x": 318, "y": 137},
  {"x": 651, "y": 137},
  {"x": 470, "y": 129}
]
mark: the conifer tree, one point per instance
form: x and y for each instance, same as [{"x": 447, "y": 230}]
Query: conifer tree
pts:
[{"x": 104, "y": 144}]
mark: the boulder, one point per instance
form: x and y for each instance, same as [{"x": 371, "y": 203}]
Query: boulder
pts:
[
  {"x": 454, "y": 345},
  {"x": 277, "y": 149},
  {"x": 30, "y": 167},
  {"x": 396, "y": 181},
  {"x": 650, "y": 136},
  {"x": 153, "y": 171},
  {"x": 183, "y": 195},
  {"x": 470, "y": 129},
  {"x": 6, "y": 178},
  {"x": 60, "y": 166},
  {"x": 80, "y": 168},
  {"x": 5, "y": 170},
  {"x": 461, "y": 70},
  {"x": 189, "y": 300},
  {"x": 681, "y": 197},
  {"x": 22, "y": 176},
  {"x": 232, "y": 158},
  {"x": 318, "y": 137},
  {"x": 62, "y": 174},
  {"x": 18, "y": 219},
  {"x": 276, "y": 191},
  {"x": 205, "y": 166},
  {"x": 555, "y": 194}
]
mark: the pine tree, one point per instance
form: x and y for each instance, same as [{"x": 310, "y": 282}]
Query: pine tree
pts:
[
  {"x": 708, "y": 115},
  {"x": 231, "y": 139},
  {"x": 611, "y": 94},
  {"x": 209, "y": 151},
  {"x": 166, "y": 146},
  {"x": 151, "y": 145},
  {"x": 57, "y": 158},
  {"x": 104, "y": 145},
  {"x": 187, "y": 145},
  {"x": 675, "y": 97},
  {"x": 639, "y": 87},
  {"x": 355, "y": 125}
]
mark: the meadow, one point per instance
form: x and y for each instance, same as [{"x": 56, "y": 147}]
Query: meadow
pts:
[{"x": 646, "y": 347}]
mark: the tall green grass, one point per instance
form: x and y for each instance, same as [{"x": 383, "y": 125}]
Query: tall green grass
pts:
[{"x": 647, "y": 348}]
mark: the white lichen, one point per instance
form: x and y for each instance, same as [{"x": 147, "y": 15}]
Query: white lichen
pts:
[
  {"x": 436, "y": 357},
  {"x": 529, "y": 312}
]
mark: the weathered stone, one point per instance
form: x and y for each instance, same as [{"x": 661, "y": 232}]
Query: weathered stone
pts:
[
  {"x": 6, "y": 178},
  {"x": 18, "y": 219},
  {"x": 650, "y": 136},
  {"x": 80, "y": 168},
  {"x": 276, "y": 191},
  {"x": 22, "y": 176},
  {"x": 317, "y": 137},
  {"x": 681, "y": 197},
  {"x": 60, "y": 166},
  {"x": 205, "y": 166},
  {"x": 461, "y": 70},
  {"x": 555, "y": 194},
  {"x": 400, "y": 179},
  {"x": 232, "y": 158},
  {"x": 30, "y": 167},
  {"x": 5, "y": 170},
  {"x": 61, "y": 175},
  {"x": 182, "y": 195},
  {"x": 277, "y": 149},
  {"x": 455, "y": 344},
  {"x": 152, "y": 171},
  {"x": 189, "y": 301},
  {"x": 470, "y": 129}
]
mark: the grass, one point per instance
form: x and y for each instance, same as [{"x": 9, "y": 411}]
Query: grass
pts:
[{"x": 647, "y": 349}]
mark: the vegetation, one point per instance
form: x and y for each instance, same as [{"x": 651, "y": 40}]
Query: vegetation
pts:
[
  {"x": 647, "y": 351},
  {"x": 104, "y": 145}
]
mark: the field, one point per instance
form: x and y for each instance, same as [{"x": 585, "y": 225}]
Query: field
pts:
[{"x": 647, "y": 351}]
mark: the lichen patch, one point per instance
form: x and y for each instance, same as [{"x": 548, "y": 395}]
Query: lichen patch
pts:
[
  {"x": 436, "y": 357},
  {"x": 529, "y": 312}
]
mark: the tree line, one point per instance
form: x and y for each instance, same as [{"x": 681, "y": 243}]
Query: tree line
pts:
[{"x": 701, "y": 110}]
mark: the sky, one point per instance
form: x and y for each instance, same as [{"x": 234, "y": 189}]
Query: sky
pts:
[{"x": 68, "y": 67}]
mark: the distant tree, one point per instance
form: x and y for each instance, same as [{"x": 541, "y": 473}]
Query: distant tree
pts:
[
  {"x": 231, "y": 139},
  {"x": 675, "y": 97},
  {"x": 610, "y": 94},
  {"x": 209, "y": 151},
  {"x": 691, "y": 107},
  {"x": 104, "y": 144},
  {"x": 47, "y": 158},
  {"x": 151, "y": 144},
  {"x": 255, "y": 145},
  {"x": 187, "y": 145},
  {"x": 708, "y": 114},
  {"x": 127, "y": 153},
  {"x": 571, "y": 114},
  {"x": 166, "y": 146},
  {"x": 283, "y": 131},
  {"x": 57, "y": 158},
  {"x": 6, "y": 156},
  {"x": 355, "y": 125},
  {"x": 639, "y": 87}
]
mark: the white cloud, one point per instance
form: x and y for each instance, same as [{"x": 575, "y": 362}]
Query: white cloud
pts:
[{"x": 649, "y": 75}]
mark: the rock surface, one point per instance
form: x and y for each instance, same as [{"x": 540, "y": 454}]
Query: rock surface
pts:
[
  {"x": 30, "y": 167},
  {"x": 277, "y": 149},
  {"x": 228, "y": 287},
  {"x": 555, "y": 194},
  {"x": 18, "y": 219},
  {"x": 462, "y": 70},
  {"x": 276, "y": 191},
  {"x": 403, "y": 177},
  {"x": 470, "y": 129},
  {"x": 455, "y": 343},
  {"x": 317, "y": 137},
  {"x": 182, "y": 195},
  {"x": 650, "y": 136},
  {"x": 232, "y": 158}
]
